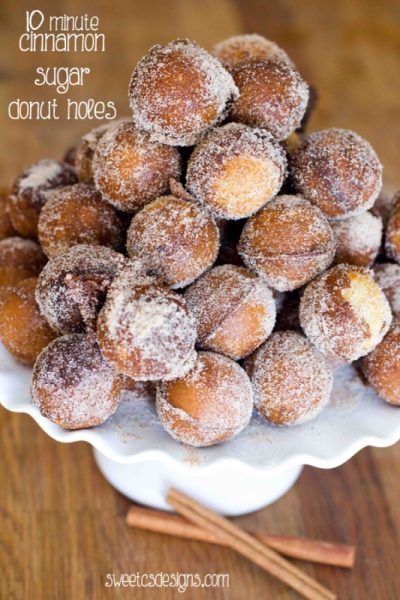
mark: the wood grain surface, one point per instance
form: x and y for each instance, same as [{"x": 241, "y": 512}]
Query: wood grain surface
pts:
[{"x": 62, "y": 526}]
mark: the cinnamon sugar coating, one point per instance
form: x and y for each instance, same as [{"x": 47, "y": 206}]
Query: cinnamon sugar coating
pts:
[
  {"x": 130, "y": 170},
  {"x": 387, "y": 276},
  {"x": 358, "y": 239},
  {"x": 72, "y": 287},
  {"x": 213, "y": 189},
  {"x": 337, "y": 170},
  {"x": 239, "y": 48},
  {"x": 287, "y": 243},
  {"x": 234, "y": 310},
  {"x": 85, "y": 148},
  {"x": 344, "y": 313},
  {"x": 382, "y": 366},
  {"x": 291, "y": 380},
  {"x": 19, "y": 259},
  {"x": 179, "y": 91},
  {"x": 23, "y": 330},
  {"x": 84, "y": 152},
  {"x": 77, "y": 214},
  {"x": 272, "y": 94},
  {"x": 209, "y": 405},
  {"x": 31, "y": 190},
  {"x": 73, "y": 385},
  {"x": 175, "y": 239},
  {"x": 144, "y": 329},
  {"x": 235, "y": 170}
]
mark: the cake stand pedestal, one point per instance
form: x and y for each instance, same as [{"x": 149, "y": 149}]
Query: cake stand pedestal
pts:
[{"x": 219, "y": 488}]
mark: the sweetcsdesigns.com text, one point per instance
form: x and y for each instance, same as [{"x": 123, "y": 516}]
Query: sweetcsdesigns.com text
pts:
[{"x": 57, "y": 34}]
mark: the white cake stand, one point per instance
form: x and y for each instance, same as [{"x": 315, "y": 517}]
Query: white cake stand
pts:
[{"x": 142, "y": 461}]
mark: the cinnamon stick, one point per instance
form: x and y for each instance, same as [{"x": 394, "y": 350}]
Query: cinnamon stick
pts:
[
  {"x": 248, "y": 546},
  {"x": 338, "y": 555}
]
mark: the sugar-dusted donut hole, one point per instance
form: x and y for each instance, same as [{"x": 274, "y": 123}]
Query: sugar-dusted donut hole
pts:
[
  {"x": 337, "y": 170},
  {"x": 287, "y": 243},
  {"x": 291, "y": 380},
  {"x": 179, "y": 91},
  {"x": 358, "y": 239},
  {"x": 211, "y": 404},
  {"x": 176, "y": 239},
  {"x": 31, "y": 190},
  {"x": 130, "y": 170},
  {"x": 272, "y": 94},
  {"x": 235, "y": 170},
  {"x": 84, "y": 152},
  {"x": 387, "y": 276},
  {"x": 382, "y": 366},
  {"x": 344, "y": 313},
  {"x": 73, "y": 385},
  {"x": 19, "y": 259},
  {"x": 234, "y": 310},
  {"x": 144, "y": 329},
  {"x": 77, "y": 214},
  {"x": 82, "y": 159},
  {"x": 23, "y": 330},
  {"x": 239, "y": 48},
  {"x": 72, "y": 287}
]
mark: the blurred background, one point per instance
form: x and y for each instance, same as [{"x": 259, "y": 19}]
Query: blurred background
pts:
[{"x": 62, "y": 527}]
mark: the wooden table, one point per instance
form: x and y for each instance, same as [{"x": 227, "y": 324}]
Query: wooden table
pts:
[{"x": 61, "y": 525}]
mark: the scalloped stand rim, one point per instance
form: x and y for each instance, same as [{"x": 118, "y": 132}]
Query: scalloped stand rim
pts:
[{"x": 133, "y": 436}]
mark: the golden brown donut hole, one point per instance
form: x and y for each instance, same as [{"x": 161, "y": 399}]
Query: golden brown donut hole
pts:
[
  {"x": 144, "y": 329},
  {"x": 179, "y": 91},
  {"x": 176, "y": 239},
  {"x": 292, "y": 381},
  {"x": 73, "y": 385},
  {"x": 23, "y": 330},
  {"x": 31, "y": 190},
  {"x": 344, "y": 313},
  {"x": 387, "y": 276},
  {"x": 72, "y": 287},
  {"x": 287, "y": 243},
  {"x": 82, "y": 158},
  {"x": 272, "y": 94},
  {"x": 382, "y": 366},
  {"x": 130, "y": 170},
  {"x": 337, "y": 170},
  {"x": 77, "y": 214},
  {"x": 234, "y": 310},
  {"x": 235, "y": 170},
  {"x": 209, "y": 405},
  {"x": 239, "y": 48},
  {"x": 358, "y": 239},
  {"x": 19, "y": 259},
  {"x": 84, "y": 152}
]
